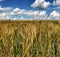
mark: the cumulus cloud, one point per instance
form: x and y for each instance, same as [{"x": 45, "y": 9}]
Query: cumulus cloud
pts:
[
  {"x": 4, "y": 12},
  {"x": 22, "y": 14},
  {"x": 6, "y": 9},
  {"x": 17, "y": 11},
  {"x": 4, "y": 16},
  {"x": 56, "y": 3},
  {"x": 42, "y": 4},
  {"x": 54, "y": 15},
  {"x": 42, "y": 13}
]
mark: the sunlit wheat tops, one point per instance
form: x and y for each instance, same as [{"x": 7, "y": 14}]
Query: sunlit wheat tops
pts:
[{"x": 30, "y": 39}]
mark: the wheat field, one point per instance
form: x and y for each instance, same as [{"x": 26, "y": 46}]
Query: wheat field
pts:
[{"x": 30, "y": 38}]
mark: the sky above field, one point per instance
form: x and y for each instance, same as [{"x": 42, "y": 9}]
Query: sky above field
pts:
[{"x": 29, "y": 9}]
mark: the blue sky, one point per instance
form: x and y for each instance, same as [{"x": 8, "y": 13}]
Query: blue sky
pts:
[
  {"x": 23, "y": 4},
  {"x": 26, "y": 7}
]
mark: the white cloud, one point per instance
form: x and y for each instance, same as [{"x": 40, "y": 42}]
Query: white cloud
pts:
[
  {"x": 54, "y": 14},
  {"x": 36, "y": 15},
  {"x": 56, "y": 2},
  {"x": 4, "y": 12},
  {"x": 17, "y": 11},
  {"x": 42, "y": 13},
  {"x": 4, "y": 16},
  {"x": 5, "y": 9},
  {"x": 31, "y": 13},
  {"x": 45, "y": 4},
  {"x": 40, "y": 4},
  {"x": 22, "y": 14}
]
